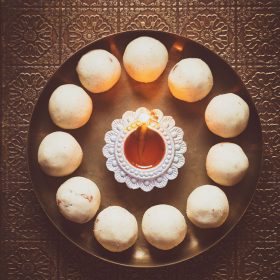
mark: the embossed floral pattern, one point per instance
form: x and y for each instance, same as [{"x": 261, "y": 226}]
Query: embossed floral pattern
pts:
[
  {"x": 30, "y": 260},
  {"x": 23, "y": 93},
  {"x": 88, "y": 3},
  {"x": 16, "y": 156},
  {"x": 206, "y": 3},
  {"x": 254, "y": 219},
  {"x": 30, "y": 37},
  {"x": 211, "y": 28},
  {"x": 82, "y": 26},
  {"x": 149, "y": 3},
  {"x": 23, "y": 215},
  {"x": 85, "y": 29},
  {"x": 252, "y": 255},
  {"x": 258, "y": 3},
  {"x": 141, "y": 18},
  {"x": 261, "y": 34},
  {"x": 32, "y": 3},
  {"x": 148, "y": 20},
  {"x": 261, "y": 83},
  {"x": 258, "y": 39}
]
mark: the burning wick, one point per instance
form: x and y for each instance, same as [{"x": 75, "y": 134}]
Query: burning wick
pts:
[{"x": 144, "y": 118}]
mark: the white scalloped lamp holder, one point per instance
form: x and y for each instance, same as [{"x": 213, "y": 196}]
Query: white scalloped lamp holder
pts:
[{"x": 157, "y": 176}]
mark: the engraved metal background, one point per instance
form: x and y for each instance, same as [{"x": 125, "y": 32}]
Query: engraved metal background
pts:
[{"x": 38, "y": 35}]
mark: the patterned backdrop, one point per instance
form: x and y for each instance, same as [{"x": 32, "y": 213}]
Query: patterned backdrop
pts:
[{"x": 38, "y": 35}]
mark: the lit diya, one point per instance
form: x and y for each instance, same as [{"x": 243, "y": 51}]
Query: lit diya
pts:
[{"x": 144, "y": 149}]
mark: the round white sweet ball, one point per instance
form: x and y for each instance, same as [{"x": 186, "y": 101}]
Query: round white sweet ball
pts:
[
  {"x": 164, "y": 226},
  {"x": 227, "y": 115},
  {"x": 226, "y": 163},
  {"x": 78, "y": 199},
  {"x": 70, "y": 107},
  {"x": 98, "y": 70},
  {"x": 145, "y": 59},
  {"x": 59, "y": 154},
  {"x": 190, "y": 80},
  {"x": 115, "y": 229},
  {"x": 207, "y": 207}
]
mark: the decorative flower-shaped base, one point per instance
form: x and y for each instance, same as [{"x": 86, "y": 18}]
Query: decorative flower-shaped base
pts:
[{"x": 157, "y": 176}]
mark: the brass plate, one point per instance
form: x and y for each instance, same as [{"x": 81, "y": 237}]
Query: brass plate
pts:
[{"x": 128, "y": 94}]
